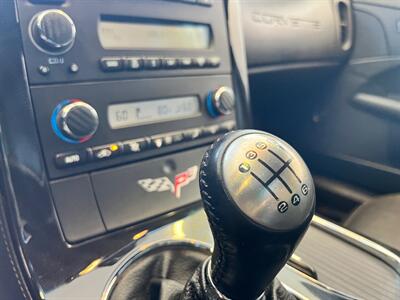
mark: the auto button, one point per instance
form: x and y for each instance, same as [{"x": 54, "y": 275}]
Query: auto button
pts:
[{"x": 68, "y": 159}]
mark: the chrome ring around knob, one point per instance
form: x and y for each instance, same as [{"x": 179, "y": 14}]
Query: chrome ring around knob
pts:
[
  {"x": 207, "y": 266},
  {"x": 87, "y": 119},
  {"x": 39, "y": 34},
  {"x": 221, "y": 102}
]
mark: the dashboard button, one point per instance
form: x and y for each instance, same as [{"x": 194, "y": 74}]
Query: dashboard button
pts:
[
  {"x": 68, "y": 159},
  {"x": 177, "y": 138},
  {"x": 106, "y": 151},
  {"x": 170, "y": 63},
  {"x": 199, "y": 62},
  {"x": 135, "y": 146},
  {"x": 73, "y": 68},
  {"x": 172, "y": 138},
  {"x": 157, "y": 142},
  {"x": 111, "y": 64},
  {"x": 192, "y": 134},
  {"x": 133, "y": 63},
  {"x": 186, "y": 62},
  {"x": 167, "y": 140},
  {"x": 213, "y": 62},
  {"x": 44, "y": 70},
  {"x": 210, "y": 130},
  {"x": 152, "y": 63}
]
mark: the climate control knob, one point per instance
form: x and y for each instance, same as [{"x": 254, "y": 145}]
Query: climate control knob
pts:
[
  {"x": 221, "y": 102},
  {"x": 53, "y": 31},
  {"x": 74, "y": 121}
]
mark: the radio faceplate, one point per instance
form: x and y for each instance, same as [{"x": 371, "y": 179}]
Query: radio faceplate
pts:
[{"x": 76, "y": 53}]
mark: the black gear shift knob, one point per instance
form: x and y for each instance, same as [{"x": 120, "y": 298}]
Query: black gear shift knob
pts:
[{"x": 259, "y": 198}]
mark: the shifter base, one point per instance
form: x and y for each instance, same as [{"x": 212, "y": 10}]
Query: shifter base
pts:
[
  {"x": 162, "y": 272},
  {"x": 159, "y": 274}
]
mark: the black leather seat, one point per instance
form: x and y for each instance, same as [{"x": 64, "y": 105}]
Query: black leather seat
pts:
[{"x": 379, "y": 220}]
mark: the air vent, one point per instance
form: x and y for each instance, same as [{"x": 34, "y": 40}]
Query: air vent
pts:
[{"x": 345, "y": 24}]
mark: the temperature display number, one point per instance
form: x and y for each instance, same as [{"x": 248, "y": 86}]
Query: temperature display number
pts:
[{"x": 152, "y": 111}]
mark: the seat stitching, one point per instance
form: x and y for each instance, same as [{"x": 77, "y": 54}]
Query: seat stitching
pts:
[{"x": 7, "y": 246}]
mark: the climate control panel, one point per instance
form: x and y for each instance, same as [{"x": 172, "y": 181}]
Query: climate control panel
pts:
[
  {"x": 89, "y": 126},
  {"x": 75, "y": 121}
]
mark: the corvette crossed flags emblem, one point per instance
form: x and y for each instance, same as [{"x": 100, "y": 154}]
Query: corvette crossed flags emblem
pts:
[{"x": 162, "y": 184}]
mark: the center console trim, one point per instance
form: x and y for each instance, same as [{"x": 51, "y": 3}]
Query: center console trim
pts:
[
  {"x": 147, "y": 248},
  {"x": 148, "y": 242},
  {"x": 380, "y": 252}
]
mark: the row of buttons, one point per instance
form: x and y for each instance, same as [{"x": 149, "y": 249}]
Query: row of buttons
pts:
[
  {"x": 105, "y": 152},
  {"x": 156, "y": 63}
]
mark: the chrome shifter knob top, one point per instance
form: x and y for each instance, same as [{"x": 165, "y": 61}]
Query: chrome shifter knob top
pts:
[
  {"x": 259, "y": 198},
  {"x": 268, "y": 181}
]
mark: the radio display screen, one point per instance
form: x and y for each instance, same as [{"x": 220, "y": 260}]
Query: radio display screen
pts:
[
  {"x": 147, "y": 112},
  {"x": 146, "y": 34}
]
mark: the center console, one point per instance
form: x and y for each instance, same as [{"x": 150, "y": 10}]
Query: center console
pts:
[{"x": 125, "y": 84}]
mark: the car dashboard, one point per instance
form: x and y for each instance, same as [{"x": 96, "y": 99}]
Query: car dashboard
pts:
[{"x": 106, "y": 112}]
